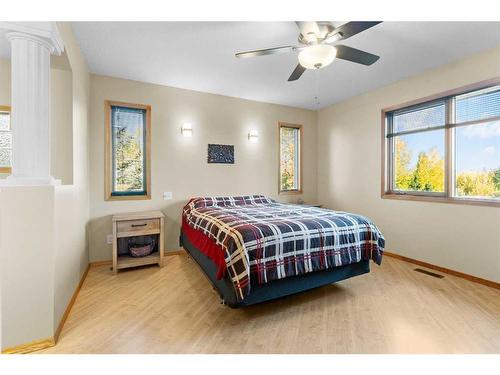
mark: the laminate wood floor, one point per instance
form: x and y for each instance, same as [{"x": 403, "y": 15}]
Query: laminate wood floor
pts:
[{"x": 173, "y": 309}]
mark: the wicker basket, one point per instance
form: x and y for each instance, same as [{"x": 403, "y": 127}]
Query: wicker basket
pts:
[{"x": 139, "y": 250}]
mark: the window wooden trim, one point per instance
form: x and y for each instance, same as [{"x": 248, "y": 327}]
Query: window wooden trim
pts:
[
  {"x": 386, "y": 178},
  {"x": 299, "y": 127},
  {"x": 108, "y": 168},
  {"x": 6, "y": 108}
]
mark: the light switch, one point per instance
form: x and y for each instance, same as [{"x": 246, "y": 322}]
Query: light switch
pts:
[
  {"x": 109, "y": 239},
  {"x": 167, "y": 195}
]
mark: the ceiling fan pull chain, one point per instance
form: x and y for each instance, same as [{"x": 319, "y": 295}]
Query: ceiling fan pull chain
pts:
[{"x": 316, "y": 79}]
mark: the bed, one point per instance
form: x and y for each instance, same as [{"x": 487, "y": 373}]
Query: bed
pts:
[{"x": 254, "y": 249}]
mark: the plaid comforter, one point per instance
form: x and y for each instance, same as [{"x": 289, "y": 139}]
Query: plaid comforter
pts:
[{"x": 263, "y": 240}]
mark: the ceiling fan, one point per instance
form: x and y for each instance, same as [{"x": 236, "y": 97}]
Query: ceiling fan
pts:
[{"x": 316, "y": 50}]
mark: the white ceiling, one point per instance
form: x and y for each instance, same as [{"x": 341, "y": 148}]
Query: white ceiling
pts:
[{"x": 200, "y": 56}]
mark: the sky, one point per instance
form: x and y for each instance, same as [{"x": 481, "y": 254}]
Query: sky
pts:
[{"x": 477, "y": 146}]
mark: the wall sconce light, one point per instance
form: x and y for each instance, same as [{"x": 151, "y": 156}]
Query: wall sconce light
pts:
[
  {"x": 253, "y": 136},
  {"x": 187, "y": 130}
]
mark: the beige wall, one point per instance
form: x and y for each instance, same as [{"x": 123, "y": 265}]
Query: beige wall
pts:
[
  {"x": 180, "y": 164},
  {"x": 26, "y": 264},
  {"x": 71, "y": 212},
  {"x": 61, "y": 121},
  {"x": 460, "y": 237},
  {"x": 4, "y": 82}
]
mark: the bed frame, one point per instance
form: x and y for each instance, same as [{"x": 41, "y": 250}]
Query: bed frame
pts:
[{"x": 276, "y": 288}]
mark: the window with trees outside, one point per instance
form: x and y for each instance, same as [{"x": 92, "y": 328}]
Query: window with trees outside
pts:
[
  {"x": 290, "y": 158},
  {"x": 447, "y": 148},
  {"x": 128, "y": 137},
  {"x": 5, "y": 140}
]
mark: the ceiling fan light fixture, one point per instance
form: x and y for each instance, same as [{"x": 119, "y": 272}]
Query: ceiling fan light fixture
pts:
[{"x": 317, "y": 56}]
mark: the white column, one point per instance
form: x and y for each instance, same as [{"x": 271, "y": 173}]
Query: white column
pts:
[
  {"x": 30, "y": 103},
  {"x": 30, "y": 64}
]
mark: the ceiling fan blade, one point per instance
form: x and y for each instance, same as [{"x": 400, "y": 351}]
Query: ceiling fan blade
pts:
[
  {"x": 299, "y": 69},
  {"x": 267, "y": 51},
  {"x": 307, "y": 27},
  {"x": 355, "y": 55},
  {"x": 349, "y": 29}
]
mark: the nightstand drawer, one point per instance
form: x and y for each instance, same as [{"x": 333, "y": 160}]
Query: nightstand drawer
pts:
[{"x": 137, "y": 227}]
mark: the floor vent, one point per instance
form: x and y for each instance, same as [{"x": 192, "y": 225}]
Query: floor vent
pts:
[{"x": 428, "y": 273}]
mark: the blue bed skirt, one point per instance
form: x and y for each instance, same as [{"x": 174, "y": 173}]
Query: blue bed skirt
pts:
[{"x": 276, "y": 288}]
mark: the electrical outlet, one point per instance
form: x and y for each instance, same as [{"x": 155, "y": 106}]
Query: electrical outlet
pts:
[
  {"x": 167, "y": 195},
  {"x": 109, "y": 239}
]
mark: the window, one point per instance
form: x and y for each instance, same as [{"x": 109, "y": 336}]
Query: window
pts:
[
  {"x": 418, "y": 142},
  {"x": 290, "y": 158},
  {"x": 446, "y": 148},
  {"x": 5, "y": 140},
  {"x": 477, "y": 146},
  {"x": 128, "y": 138}
]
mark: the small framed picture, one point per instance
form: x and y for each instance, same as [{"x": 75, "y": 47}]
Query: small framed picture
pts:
[{"x": 220, "y": 154}]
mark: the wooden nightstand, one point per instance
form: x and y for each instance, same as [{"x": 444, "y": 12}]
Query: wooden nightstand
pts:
[{"x": 137, "y": 224}]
